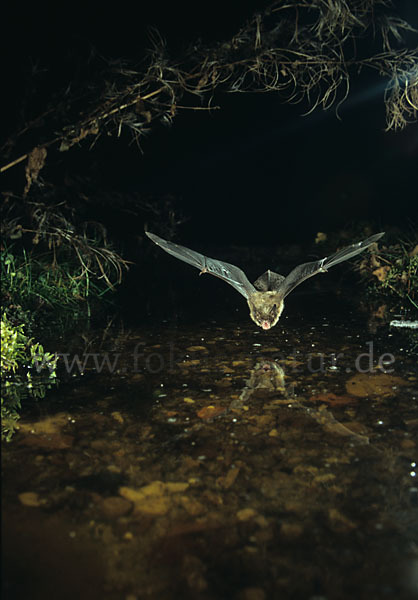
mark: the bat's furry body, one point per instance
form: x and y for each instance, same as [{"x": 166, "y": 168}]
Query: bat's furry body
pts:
[{"x": 266, "y": 297}]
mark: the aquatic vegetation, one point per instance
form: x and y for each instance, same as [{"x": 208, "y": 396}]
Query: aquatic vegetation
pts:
[{"x": 27, "y": 370}]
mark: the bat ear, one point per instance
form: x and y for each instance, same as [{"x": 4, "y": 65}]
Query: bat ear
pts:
[{"x": 268, "y": 282}]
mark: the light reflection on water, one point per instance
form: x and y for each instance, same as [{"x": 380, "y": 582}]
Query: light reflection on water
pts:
[{"x": 220, "y": 462}]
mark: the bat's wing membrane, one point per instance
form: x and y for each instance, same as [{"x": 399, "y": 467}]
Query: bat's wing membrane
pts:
[
  {"x": 310, "y": 269},
  {"x": 229, "y": 273}
]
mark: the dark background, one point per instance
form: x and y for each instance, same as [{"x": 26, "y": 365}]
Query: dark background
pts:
[{"x": 254, "y": 172}]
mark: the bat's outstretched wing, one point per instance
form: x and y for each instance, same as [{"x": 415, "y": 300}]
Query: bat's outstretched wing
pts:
[
  {"x": 306, "y": 270},
  {"x": 229, "y": 273}
]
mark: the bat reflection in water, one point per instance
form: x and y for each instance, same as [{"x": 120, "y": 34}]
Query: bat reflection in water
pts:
[{"x": 266, "y": 297}]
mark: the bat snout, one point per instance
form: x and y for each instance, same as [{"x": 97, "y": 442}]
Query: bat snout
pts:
[{"x": 265, "y": 324}]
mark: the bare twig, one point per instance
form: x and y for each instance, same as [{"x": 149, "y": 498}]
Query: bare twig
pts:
[{"x": 304, "y": 50}]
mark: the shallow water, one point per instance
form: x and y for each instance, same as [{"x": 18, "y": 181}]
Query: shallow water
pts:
[{"x": 210, "y": 460}]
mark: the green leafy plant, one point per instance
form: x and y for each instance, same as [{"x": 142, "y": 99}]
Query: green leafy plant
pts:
[
  {"x": 33, "y": 283},
  {"x": 26, "y": 371}
]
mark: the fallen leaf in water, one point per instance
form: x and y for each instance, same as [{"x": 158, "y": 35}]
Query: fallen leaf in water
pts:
[
  {"x": 324, "y": 478},
  {"x": 137, "y": 377},
  {"x": 262, "y": 421},
  {"x": 407, "y": 444},
  {"x": 333, "y": 399},
  {"x": 211, "y": 411},
  {"x": 245, "y": 514},
  {"x": 197, "y": 349},
  {"x": 254, "y": 593},
  {"x": 175, "y": 486},
  {"x": 189, "y": 363},
  {"x": 117, "y": 416},
  {"x": 53, "y": 441},
  {"x": 170, "y": 413},
  {"x": 51, "y": 424},
  {"x": 30, "y": 499},
  {"x": 154, "y": 498},
  {"x": 291, "y": 530},
  {"x": 229, "y": 478},
  {"x": 192, "y": 506},
  {"x": 224, "y": 382},
  {"x": 115, "y": 506},
  {"x": 368, "y": 384}
]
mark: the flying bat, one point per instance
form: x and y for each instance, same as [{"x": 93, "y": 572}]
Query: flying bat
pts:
[{"x": 266, "y": 296}]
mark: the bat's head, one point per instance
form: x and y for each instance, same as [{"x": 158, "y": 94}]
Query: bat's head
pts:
[{"x": 265, "y": 308}]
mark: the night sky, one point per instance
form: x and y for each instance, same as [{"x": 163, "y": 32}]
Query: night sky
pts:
[{"x": 254, "y": 172}]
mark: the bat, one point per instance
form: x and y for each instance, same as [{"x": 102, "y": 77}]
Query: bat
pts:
[{"x": 266, "y": 296}]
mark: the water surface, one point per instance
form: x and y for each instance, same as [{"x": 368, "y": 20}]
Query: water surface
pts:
[{"x": 211, "y": 460}]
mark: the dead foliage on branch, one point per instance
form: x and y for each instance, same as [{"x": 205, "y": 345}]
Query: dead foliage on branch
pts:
[
  {"x": 304, "y": 50},
  {"x": 54, "y": 227},
  {"x": 394, "y": 270}
]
